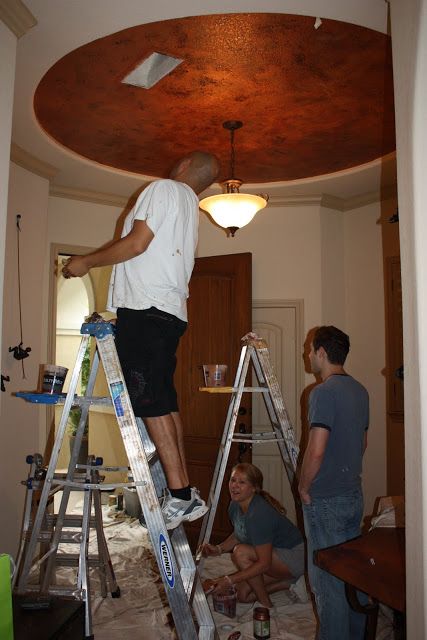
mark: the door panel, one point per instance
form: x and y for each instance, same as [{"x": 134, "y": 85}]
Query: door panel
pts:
[
  {"x": 219, "y": 314},
  {"x": 280, "y": 324}
]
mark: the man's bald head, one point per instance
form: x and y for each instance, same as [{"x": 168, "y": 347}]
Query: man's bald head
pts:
[{"x": 198, "y": 169}]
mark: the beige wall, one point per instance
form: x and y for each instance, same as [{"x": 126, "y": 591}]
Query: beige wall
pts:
[
  {"x": 409, "y": 39},
  {"x": 365, "y": 323},
  {"x": 7, "y": 77},
  {"x": 333, "y": 290},
  {"x": 19, "y": 434},
  {"x": 286, "y": 253}
]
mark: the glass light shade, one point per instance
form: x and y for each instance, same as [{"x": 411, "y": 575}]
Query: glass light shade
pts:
[{"x": 233, "y": 209}]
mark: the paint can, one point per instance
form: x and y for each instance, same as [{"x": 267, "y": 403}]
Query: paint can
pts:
[{"x": 225, "y": 603}]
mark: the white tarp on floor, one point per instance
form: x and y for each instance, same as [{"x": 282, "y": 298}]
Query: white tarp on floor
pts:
[{"x": 142, "y": 611}]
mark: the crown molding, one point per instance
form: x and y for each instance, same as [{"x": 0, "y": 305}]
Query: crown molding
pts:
[
  {"x": 17, "y": 17},
  {"x": 26, "y": 160},
  {"x": 97, "y": 197},
  {"x": 385, "y": 193},
  {"x": 323, "y": 200},
  {"x": 294, "y": 201}
]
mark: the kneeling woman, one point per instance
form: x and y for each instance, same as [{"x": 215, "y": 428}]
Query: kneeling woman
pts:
[{"x": 266, "y": 548}]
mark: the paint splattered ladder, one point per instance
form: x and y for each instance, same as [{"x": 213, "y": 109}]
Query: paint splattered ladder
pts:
[
  {"x": 254, "y": 351},
  {"x": 174, "y": 558}
]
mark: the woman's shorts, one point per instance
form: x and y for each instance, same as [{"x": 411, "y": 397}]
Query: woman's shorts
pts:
[
  {"x": 293, "y": 558},
  {"x": 146, "y": 342}
]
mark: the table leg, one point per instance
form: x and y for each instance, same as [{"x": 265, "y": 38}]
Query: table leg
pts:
[
  {"x": 399, "y": 620},
  {"x": 371, "y": 611}
]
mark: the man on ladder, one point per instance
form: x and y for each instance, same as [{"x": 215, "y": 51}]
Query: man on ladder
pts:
[{"x": 153, "y": 262}]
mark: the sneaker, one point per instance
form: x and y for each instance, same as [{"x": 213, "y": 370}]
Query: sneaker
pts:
[
  {"x": 176, "y": 511},
  {"x": 298, "y": 591}
]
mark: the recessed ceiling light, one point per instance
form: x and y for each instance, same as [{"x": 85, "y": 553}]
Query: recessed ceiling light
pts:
[{"x": 153, "y": 69}]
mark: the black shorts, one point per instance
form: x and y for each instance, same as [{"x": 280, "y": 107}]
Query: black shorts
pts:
[{"x": 146, "y": 342}]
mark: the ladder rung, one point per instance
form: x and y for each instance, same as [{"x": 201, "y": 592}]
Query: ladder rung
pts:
[
  {"x": 234, "y": 389},
  {"x": 71, "y": 520},
  {"x": 57, "y": 590},
  {"x": 187, "y": 577},
  {"x": 257, "y": 439},
  {"x": 72, "y": 560},
  {"x": 46, "y": 536}
]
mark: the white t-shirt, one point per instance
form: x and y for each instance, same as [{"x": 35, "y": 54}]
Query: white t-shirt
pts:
[{"x": 159, "y": 276}]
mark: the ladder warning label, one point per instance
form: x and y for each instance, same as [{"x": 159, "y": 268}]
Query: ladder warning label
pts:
[
  {"x": 166, "y": 561},
  {"x": 116, "y": 389}
]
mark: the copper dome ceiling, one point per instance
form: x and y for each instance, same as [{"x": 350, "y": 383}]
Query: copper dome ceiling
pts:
[{"x": 313, "y": 101}]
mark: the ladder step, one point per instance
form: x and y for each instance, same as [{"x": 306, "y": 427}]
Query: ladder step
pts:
[
  {"x": 72, "y": 560},
  {"x": 70, "y": 520},
  {"x": 62, "y": 591},
  {"x": 260, "y": 389},
  {"x": 66, "y": 537},
  {"x": 187, "y": 577}
]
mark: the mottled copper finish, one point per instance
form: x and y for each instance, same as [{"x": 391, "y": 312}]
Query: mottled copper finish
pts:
[{"x": 313, "y": 101}]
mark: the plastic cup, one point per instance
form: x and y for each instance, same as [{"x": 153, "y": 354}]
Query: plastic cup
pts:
[
  {"x": 214, "y": 374},
  {"x": 52, "y": 378}
]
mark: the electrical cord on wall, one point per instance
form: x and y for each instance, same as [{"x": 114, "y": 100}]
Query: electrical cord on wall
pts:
[{"x": 19, "y": 352}]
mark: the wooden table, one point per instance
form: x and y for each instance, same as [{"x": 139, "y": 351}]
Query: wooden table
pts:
[{"x": 375, "y": 564}]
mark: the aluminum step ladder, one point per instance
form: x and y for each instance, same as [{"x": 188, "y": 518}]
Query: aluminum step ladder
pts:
[
  {"x": 189, "y": 607},
  {"x": 255, "y": 352},
  {"x": 72, "y": 530}
]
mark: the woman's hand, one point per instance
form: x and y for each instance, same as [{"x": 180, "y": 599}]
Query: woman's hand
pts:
[
  {"x": 208, "y": 586},
  {"x": 222, "y": 585},
  {"x": 210, "y": 550},
  {"x": 217, "y": 585}
]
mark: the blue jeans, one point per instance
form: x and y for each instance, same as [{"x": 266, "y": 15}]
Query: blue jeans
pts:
[{"x": 330, "y": 521}]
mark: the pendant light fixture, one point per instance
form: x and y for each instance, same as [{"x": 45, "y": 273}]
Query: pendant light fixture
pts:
[{"x": 232, "y": 209}]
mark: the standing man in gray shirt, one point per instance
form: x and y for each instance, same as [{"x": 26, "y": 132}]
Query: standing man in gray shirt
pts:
[{"x": 330, "y": 478}]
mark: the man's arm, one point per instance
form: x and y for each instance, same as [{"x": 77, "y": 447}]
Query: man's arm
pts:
[
  {"x": 312, "y": 461},
  {"x": 135, "y": 243}
]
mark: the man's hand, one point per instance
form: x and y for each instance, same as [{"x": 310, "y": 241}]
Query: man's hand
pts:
[
  {"x": 305, "y": 496},
  {"x": 75, "y": 267},
  {"x": 312, "y": 461}
]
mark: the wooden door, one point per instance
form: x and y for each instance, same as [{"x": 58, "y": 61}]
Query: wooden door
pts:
[{"x": 219, "y": 314}]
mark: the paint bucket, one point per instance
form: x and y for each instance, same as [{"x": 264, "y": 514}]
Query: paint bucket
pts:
[
  {"x": 52, "y": 378},
  {"x": 214, "y": 374},
  {"x": 225, "y": 603},
  {"x": 132, "y": 503}
]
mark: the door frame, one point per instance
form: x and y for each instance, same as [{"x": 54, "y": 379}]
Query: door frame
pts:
[
  {"x": 55, "y": 250},
  {"x": 298, "y": 305}
]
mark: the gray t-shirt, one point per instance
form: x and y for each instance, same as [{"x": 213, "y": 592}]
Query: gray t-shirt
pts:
[
  {"x": 262, "y": 524},
  {"x": 341, "y": 405}
]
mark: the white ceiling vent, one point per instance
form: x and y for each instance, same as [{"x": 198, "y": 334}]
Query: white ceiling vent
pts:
[{"x": 153, "y": 69}]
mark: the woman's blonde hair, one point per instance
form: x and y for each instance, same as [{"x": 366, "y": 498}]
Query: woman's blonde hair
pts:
[{"x": 256, "y": 479}]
